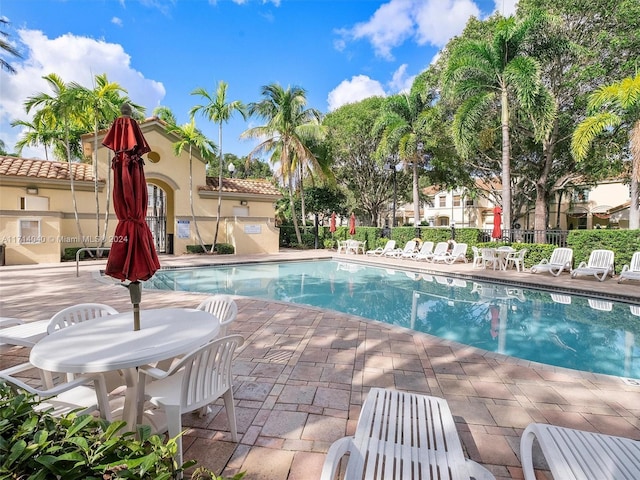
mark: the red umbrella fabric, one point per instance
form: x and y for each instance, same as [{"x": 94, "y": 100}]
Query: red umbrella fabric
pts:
[
  {"x": 332, "y": 224},
  {"x": 133, "y": 254},
  {"x": 497, "y": 223},
  {"x": 352, "y": 225}
]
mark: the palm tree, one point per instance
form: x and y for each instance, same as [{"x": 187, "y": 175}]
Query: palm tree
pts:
[
  {"x": 611, "y": 107},
  {"x": 218, "y": 110},
  {"x": 289, "y": 125},
  {"x": 63, "y": 107},
  {"x": 36, "y": 134},
  {"x": 100, "y": 105},
  {"x": 481, "y": 73},
  {"x": 405, "y": 125},
  {"x": 7, "y": 47},
  {"x": 189, "y": 138}
]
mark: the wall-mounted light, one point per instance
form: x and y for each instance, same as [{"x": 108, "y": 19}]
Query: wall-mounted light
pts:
[
  {"x": 243, "y": 202},
  {"x": 32, "y": 190}
]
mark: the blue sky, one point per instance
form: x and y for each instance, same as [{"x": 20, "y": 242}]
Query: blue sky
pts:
[{"x": 339, "y": 51}]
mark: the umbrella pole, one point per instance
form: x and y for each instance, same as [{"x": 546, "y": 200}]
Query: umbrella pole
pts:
[{"x": 135, "y": 291}]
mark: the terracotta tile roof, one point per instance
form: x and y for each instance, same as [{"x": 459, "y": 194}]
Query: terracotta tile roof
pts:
[
  {"x": 43, "y": 169},
  {"x": 241, "y": 185}
]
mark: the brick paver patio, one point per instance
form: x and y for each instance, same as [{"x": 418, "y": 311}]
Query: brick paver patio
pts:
[{"x": 303, "y": 372}]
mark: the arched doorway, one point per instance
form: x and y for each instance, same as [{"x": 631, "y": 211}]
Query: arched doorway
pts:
[{"x": 157, "y": 216}]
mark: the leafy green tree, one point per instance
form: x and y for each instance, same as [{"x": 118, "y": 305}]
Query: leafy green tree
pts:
[
  {"x": 483, "y": 73},
  {"x": 290, "y": 125},
  {"x": 191, "y": 138},
  {"x": 218, "y": 110},
  {"x": 352, "y": 145},
  {"x": 611, "y": 107},
  {"x": 36, "y": 134}
]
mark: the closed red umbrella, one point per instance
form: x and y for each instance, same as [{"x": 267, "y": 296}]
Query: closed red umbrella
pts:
[
  {"x": 497, "y": 222},
  {"x": 332, "y": 223},
  {"x": 133, "y": 254},
  {"x": 352, "y": 225}
]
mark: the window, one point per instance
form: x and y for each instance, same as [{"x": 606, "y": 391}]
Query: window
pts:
[
  {"x": 32, "y": 202},
  {"x": 442, "y": 201},
  {"x": 457, "y": 200},
  {"x": 580, "y": 196},
  {"x": 240, "y": 211},
  {"x": 469, "y": 202},
  {"x": 29, "y": 231}
]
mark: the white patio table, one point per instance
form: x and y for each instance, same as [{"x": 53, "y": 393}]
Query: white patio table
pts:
[{"x": 109, "y": 343}]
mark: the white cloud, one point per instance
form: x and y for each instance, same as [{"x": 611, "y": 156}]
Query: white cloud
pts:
[
  {"x": 354, "y": 90},
  {"x": 74, "y": 59},
  {"x": 116, "y": 21},
  {"x": 425, "y": 21},
  {"x": 506, "y": 7},
  {"x": 437, "y": 21},
  {"x": 400, "y": 81}
]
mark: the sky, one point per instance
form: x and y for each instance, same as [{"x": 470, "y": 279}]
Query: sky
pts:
[{"x": 338, "y": 51}]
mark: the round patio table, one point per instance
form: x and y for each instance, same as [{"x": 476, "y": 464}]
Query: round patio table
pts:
[{"x": 109, "y": 343}]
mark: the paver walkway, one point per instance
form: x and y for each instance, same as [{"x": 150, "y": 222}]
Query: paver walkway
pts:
[{"x": 303, "y": 374}]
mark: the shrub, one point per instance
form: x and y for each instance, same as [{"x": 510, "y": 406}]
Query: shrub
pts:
[{"x": 39, "y": 446}]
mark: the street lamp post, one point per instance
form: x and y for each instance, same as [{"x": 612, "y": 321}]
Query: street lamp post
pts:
[{"x": 232, "y": 169}]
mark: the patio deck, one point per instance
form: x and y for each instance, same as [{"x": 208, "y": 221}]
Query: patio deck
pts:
[{"x": 304, "y": 372}]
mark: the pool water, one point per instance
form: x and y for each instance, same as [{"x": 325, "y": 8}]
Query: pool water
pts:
[{"x": 575, "y": 332}]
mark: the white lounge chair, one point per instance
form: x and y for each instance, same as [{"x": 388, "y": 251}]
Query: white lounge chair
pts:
[
  {"x": 409, "y": 248},
  {"x": 402, "y": 436},
  {"x": 425, "y": 249},
  {"x": 561, "y": 259},
  {"x": 600, "y": 265},
  {"x": 631, "y": 271},
  {"x": 576, "y": 454},
  {"x": 389, "y": 246},
  {"x": 25, "y": 334},
  {"x": 459, "y": 252},
  {"x": 439, "y": 249}
]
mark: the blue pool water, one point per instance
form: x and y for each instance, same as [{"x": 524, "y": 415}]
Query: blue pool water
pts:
[{"x": 568, "y": 331}]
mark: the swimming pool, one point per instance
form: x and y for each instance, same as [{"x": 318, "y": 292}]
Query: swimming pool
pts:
[{"x": 576, "y": 332}]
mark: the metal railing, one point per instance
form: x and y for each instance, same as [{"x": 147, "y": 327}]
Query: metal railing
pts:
[
  {"x": 550, "y": 237},
  {"x": 98, "y": 250}
]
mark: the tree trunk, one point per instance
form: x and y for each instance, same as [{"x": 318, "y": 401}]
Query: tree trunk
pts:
[
  {"x": 416, "y": 194},
  {"x": 634, "y": 207},
  {"x": 215, "y": 236},
  {"x": 506, "y": 162},
  {"x": 99, "y": 241}
]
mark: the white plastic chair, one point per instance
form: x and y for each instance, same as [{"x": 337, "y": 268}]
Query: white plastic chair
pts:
[
  {"x": 197, "y": 380},
  {"x": 561, "y": 259},
  {"x": 63, "y": 398},
  {"x": 490, "y": 257},
  {"x": 600, "y": 265},
  {"x": 477, "y": 257},
  {"x": 389, "y": 246},
  {"x": 78, "y": 313},
  {"x": 631, "y": 271},
  {"x": 516, "y": 259},
  {"x": 223, "y": 307}
]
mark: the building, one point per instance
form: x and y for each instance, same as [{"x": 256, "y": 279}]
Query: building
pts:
[{"x": 40, "y": 217}]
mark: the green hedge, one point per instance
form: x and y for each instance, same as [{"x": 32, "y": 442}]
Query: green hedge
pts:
[{"x": 221, "y": 248}]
